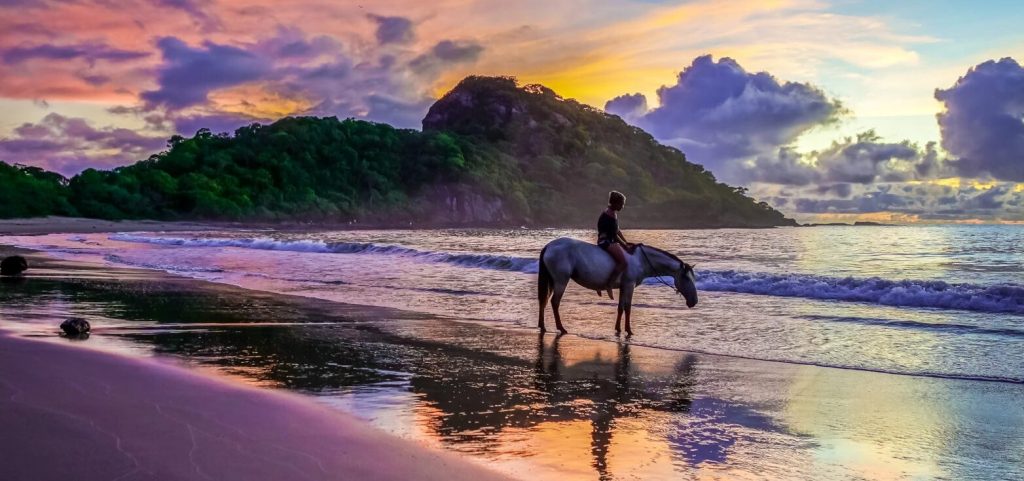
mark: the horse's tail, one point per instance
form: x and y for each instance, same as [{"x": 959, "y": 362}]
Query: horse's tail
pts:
[{"x": 545, "y": 283}]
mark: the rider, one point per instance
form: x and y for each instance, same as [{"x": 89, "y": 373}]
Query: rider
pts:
[{"x": 610, "y": 238}]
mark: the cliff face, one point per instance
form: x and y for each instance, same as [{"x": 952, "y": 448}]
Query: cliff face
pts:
[
  {"x": 462, "y": 205},
  {"x": 553, "y": 160}
]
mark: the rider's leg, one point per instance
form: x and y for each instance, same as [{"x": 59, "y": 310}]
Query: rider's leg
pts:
[{"x": 619, "y": 254}]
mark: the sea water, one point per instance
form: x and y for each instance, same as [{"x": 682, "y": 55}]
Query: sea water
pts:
[{"x": 936, "y": 300}]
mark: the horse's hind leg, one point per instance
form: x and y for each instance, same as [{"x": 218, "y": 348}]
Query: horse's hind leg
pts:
[
  {"x": 626, "y": 305},
  {"x": 543, "y": 295},
  {"x": 556, "y": 300}
]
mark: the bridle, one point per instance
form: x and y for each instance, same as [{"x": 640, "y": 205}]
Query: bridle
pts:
[{"x": 651, "y": 266}]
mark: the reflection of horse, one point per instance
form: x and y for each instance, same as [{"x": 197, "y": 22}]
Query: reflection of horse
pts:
[
  {"x": 587, "y": 264},
  {"x": 614, "y": 389}
]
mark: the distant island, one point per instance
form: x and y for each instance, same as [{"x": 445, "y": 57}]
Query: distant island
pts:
[
  {"x": 491, "y": 153},
  {"x": 859, "y": 223}
]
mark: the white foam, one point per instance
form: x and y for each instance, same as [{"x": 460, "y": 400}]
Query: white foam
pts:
[{"x": 902, "y": 293}]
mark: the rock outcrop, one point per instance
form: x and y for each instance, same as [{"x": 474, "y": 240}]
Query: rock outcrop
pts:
[
  {"x": 75, "y": 326},
  {"x": 13, "y": 266}
]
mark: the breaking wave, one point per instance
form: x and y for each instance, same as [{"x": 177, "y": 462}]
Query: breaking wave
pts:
[
  {"x": 1007, "y": 298},
  {"x": 484, "y": 261}
]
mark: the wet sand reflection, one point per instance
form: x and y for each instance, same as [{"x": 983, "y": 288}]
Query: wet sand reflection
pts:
[{"x": 554, "y": 407}]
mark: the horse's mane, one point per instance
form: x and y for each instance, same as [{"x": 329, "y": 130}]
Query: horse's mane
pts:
[{"x": 669, "y": 254}]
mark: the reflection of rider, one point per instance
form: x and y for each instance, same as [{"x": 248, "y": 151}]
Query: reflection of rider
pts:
[{"x": 610, "y": 238}]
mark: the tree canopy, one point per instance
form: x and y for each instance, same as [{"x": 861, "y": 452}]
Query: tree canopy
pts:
[{"x": 536, "y": 158}]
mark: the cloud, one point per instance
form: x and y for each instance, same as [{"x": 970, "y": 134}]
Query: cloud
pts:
[
  {"x": 628, "y": 106},
  {"x": 982, "y": 123},
  {"x": 206, "y": 21},
  {"x": 720, "y": 114},
  {"x": 292, "y": 44},
  {"x": 921, "y": 201},
  {"x": 786, "y": 167},
  {"x": 69, "y": 145},
  {"x": 443, "y": 55},
  {"x": 291, "y": 73},
  {"x": 188, "y": 125},
  {"x": 862, "y": 159},
  {"x": 393, "y": 29},
  {"x": 189, "y": 74},
  {"x": 90, "y": 51}
]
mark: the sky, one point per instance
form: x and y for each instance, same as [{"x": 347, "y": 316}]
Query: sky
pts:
[{"x": 828, "y": 110}]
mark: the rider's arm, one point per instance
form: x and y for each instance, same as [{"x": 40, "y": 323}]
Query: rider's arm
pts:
[{"x": 621, "y": 238}]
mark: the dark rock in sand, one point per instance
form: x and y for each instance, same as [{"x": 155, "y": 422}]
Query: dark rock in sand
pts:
[
  {"x": 75, "y": 326},
  {"x": 13, "y": 266}
]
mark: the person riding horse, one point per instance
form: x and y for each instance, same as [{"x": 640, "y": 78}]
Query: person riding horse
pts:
[
  {"x": 610, "y": 238},
  {"x": 566, "y": 259}
]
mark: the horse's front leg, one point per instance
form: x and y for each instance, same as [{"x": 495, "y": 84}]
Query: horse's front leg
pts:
[
  {"x": 625, "y": 305},
  {"x": 618, "y": 317}
]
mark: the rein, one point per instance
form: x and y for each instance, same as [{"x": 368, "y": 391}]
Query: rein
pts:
[{"x": 651, "y": 265}]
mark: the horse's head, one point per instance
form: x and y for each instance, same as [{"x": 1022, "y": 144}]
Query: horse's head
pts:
[{"x": 686, "y": 284}]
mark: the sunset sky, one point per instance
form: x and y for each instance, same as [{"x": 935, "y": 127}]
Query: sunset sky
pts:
[{"x": 842, "y": 110}]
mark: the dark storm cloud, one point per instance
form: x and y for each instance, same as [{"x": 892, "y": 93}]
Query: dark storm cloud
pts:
[
  {"x": 68, "y": 145},
  {"x": 393, "y": 29},
  {"x": 189, "y": 74},
  {"x": 982, "y": 124},
  {"x": 90, "y": 52},
  {"x": 718, "y": 113}
]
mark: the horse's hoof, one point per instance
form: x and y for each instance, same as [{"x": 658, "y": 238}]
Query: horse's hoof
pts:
[
  {"x": 542, "y": 330},
  {"x": 563, "y": 331},
  {"x": 629, "y": 333}
]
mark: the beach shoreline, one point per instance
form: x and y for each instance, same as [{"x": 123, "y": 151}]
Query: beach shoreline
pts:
[
  {"x": 731, "y": 410},
  {"x": 72, "y": 413}
]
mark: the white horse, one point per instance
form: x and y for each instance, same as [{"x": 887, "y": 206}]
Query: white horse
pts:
[{"x": 589, "y": 265}]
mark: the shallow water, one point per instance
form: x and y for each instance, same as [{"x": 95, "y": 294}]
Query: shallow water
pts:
[
  {"x": 547, "y": 407},
  {"x": 944, "y": 301}
]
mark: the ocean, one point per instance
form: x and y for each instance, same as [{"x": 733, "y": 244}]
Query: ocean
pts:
[{"x": 942, "y": 301}]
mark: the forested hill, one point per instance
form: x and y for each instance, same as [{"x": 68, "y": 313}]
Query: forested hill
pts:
[{"x": 491, "y": 153}]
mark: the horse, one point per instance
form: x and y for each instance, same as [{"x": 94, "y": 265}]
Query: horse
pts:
[{"x": 563, "y": 259}]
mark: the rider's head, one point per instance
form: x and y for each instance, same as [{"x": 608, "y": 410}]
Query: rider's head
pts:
[{"x": 616, "y": 200}]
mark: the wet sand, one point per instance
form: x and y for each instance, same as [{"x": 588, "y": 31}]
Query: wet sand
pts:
[
  {"x": 537, "y": 407},
  {"x": 70, "y": 413},
  {"x": 78, "y": 225}
]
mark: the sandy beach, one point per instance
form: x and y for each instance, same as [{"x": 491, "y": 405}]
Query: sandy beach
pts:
[
  {"x": 75, "y": 413},
  {"x": 78, "y": 225},
  {"x": 182, "y": 379},
  {"x": 69, "y": 411}
]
